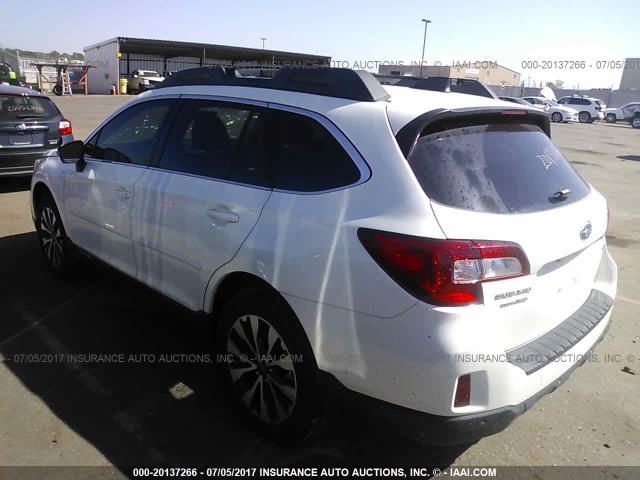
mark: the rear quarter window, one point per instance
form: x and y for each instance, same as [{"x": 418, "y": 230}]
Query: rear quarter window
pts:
[
  {"x": 17, "y": 107},
  {"x": 504, "y": 169}
]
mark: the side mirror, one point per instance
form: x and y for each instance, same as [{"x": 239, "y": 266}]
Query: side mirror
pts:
[{"x": 73, "y": 151}]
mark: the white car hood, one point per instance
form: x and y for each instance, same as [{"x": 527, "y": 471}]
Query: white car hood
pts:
[{"x": 546, "y": 92}]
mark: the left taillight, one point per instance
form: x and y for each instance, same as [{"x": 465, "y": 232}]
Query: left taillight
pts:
[
  {"x": 65, "y": 127},
  {"x": 443, "y": 272}
]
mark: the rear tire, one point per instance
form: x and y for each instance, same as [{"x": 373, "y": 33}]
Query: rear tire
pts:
[
  {"x": 52, "y": 237},
  {"x": 635, "y": 122},
  {"x": 611, "y": 118},
  {"x": 584, "y": 117},
  {"x": 267, "y": 365}
]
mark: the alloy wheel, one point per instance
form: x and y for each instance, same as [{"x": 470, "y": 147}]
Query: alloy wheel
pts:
[
  {"x": 262, "y": 369},
  {"x": 52, "y": 238}
]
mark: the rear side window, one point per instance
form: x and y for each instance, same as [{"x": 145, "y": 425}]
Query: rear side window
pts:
[
  {"x": 17, "y": 107},
  {"x": 203, "y": 138},
  {"x": 502, "y": 169},
  {"x": 306, "y": 157}
]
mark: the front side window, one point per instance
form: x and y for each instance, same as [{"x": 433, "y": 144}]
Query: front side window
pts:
[
  {"x": 306, "y": 157},
  {"x": 131, "y": 136},
  {"x": 203, "y": 138},
  {"x": 502, "y": 168}
]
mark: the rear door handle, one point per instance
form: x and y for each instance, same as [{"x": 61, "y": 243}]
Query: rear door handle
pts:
[
  {"x": 122, "y": 193},
  {"x": 224, "y": 215}
]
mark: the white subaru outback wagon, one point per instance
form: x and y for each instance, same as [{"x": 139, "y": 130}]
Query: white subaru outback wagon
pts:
[{"x": 429, "y": 255}]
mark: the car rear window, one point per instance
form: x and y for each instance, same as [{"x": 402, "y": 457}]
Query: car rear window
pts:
[
  {"x": 17, "y": 107},
  {"x": 505, "y": 168}
]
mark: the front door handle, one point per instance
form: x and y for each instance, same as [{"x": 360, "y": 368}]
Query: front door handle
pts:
[
  {"x": 223, "y": 215},
  {"x": 122, "y": 193}
]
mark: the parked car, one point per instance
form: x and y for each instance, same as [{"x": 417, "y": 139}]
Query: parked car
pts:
[
  {"x": 31, "y": 126},
  {"x": 625, "y": 112},
  {"x": 431, "y": 257},
  {"x": 141, "y": 80},
  {"x": 589, "y": 109},
  {"x": 517, "y": 100},
  {"x": 558, "y": 113}
]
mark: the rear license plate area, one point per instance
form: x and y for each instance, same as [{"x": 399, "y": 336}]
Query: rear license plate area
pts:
[{"x": 21, "y": 139}]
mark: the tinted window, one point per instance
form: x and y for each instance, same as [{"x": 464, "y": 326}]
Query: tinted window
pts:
[
  {"x": 250, "y": 163},
  {"x": 562, "y": 101},
  {"x": 494, "y": 169},
  {"x": 579, "y": 101},
  {"x": 131, "y": 136},
  {"x": 203, "y": 138},
  {"x": 306, "y": 157},
  {"x": 15, "y": 107}
]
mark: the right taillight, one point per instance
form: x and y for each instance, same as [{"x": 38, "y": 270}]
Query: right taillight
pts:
[
  {"x": 443, "y": 272},
  {"x": 64, "y": 127}
]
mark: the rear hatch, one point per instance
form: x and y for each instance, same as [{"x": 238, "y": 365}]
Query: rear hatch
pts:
[
  {"x": 508, "y": 182},
  {"x": 28, "y": 124}
]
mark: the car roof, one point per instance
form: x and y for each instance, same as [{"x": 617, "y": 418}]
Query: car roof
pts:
[
  {"x": 13, "y": 90},
  {"x": 404, "y": 105}
]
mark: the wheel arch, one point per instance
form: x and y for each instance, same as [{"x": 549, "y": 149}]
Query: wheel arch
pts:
[
  {"x": 39, "y": 190},
  {"x": 234, "y": 282}
]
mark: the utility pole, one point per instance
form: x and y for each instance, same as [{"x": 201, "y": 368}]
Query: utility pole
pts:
[
  {"x": 424, "y": 42},
  {"x": 263, "y": 39}
]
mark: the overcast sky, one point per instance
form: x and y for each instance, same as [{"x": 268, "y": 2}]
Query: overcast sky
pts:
[{"x": 509, "y": 32}]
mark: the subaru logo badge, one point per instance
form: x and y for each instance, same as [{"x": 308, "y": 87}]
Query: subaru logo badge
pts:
[
  {"x": 21, "y": 126},
  {"x": 586, "y": 231}
]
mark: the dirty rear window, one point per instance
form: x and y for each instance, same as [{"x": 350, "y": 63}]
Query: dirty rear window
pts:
[
  {"x": 507, "y": 168},
  {"x": 17, "y": 107}
]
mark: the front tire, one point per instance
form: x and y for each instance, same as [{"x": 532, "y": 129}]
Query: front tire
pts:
[
  {"x": 584, "y": 117},
  {"x": 611, "y": 118},
  {"x": 556, "y": 117},
  {"x": 52, "y": 237},
  {"x": 268, "y": 365},
  {"x": 635, "y": 122}
]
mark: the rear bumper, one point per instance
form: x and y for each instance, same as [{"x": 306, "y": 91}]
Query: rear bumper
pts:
[
  {"x": 13, "y": 163},
  {"x": 409, "y": 365},
  {"x": 436, "y": 429}
]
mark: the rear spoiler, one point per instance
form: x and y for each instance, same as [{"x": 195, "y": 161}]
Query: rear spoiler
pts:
[{"x": 443, "y": 119}]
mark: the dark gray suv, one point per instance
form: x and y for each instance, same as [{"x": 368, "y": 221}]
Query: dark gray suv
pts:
[{"x": 30, "y": 127}]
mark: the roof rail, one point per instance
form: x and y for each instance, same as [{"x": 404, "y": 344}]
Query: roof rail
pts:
[
  {"x": 446, "y": 84},
  {"x": 330, "y": 82}
]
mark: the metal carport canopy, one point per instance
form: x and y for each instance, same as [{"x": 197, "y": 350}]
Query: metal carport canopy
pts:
[{"x": 170, "y": 49}]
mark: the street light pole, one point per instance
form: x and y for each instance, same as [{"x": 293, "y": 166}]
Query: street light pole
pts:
[
  {"x": 424, "y": 42},
  {"x": 263, "y": 39}
]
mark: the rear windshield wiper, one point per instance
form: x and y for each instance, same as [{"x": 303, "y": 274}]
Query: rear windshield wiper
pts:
[{"x": 560, "y": 195}]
